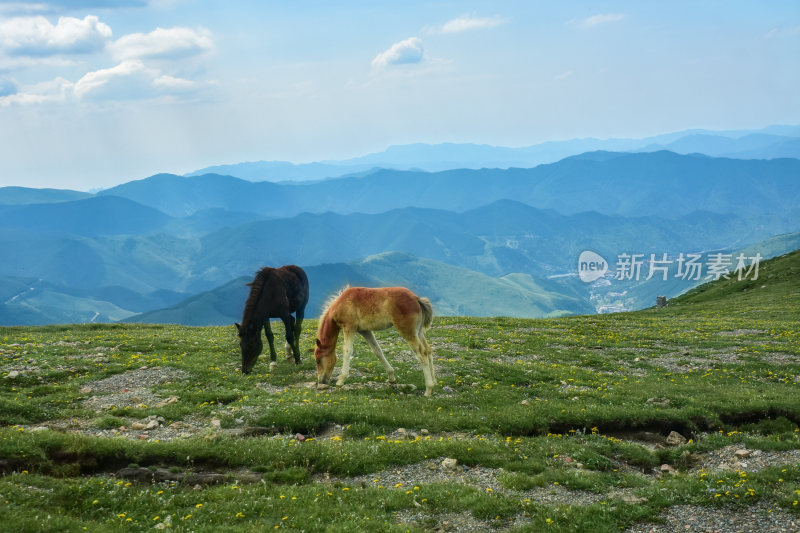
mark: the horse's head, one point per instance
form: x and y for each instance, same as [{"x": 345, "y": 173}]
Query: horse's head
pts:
[
  {"x": 250, "y": 342},
  {"x": 326, "y": 360}
]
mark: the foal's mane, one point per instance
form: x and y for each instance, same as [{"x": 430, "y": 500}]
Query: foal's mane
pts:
[
  {"x": 256, "y": 286},
  {"x": 329, "y": 302}
]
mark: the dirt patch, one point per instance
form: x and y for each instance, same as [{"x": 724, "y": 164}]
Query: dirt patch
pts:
[{"x": 138, "y": 379}]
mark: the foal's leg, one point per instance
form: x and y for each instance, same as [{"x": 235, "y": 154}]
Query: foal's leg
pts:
[
  {"x": 421, "y": 348},
  {"x": 289, "y": 323},
  {"x": 370, "y": 338},
  {"x": 347, "y": 354},
  {"x": 270, "y": 340},
  {"x": 426, "y": 349}
]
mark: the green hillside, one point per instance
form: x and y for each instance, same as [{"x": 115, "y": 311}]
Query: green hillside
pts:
[{"x": 775, "y": 292}]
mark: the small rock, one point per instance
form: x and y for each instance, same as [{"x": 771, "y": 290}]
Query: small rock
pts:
[
  {"x": 138, "y": 426},
  {"x": 447, "y": 389},
  {"x": 86, "y": 390},
  {"x": 424, "y": 432},
  {"x": 216, "y": 423},
  {"x": 402, "y": 432},
  {"x": 525, "y": 402},
  {"x": 633, "y": 499},
  {"x": 741, "y": 454},
  {"x": 675, "y": 439},
  {"x": 178, "y": 425},
  {"x": 667, "y": 469},
  {"x": 168, "y": 401},
  {"x": 12, "y": 375},
  {"x": 660, "y": 402},
  {"x": 300, "y": 437},
  {"x": 323, "y": 386},
  {"x": 153, "y": 424},
  {"x": 449, "y": 463}
]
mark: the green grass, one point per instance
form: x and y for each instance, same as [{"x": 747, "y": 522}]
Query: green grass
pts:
[{"x": 531, "y": 397}]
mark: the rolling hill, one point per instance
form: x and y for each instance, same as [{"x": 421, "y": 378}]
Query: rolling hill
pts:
[
  {"x": 774, "y": 293},
  {"x": 94, "y": 216},
  {"x": 27, "y": 195},
  {"x": 453, "y": 291}
]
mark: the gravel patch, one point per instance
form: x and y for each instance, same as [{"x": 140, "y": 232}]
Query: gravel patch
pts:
[
  {"x": 752, "y": 461},
  {"x": 138, "y": 379},
  {"x": 761, "y": 518}
]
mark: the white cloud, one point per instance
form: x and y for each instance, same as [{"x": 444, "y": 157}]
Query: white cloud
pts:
[
  {"x": 130, "y": 80},
  {"x": 163, "y": 43},
  {"x": 466, "y": 23},
  {"x": 595, "y": 20},
  {"x": 56, "y": 90},
  {"x": 37, "y": 36},
  {"x": 172, "y": 84},
  {"x": 404, "y": 52},
  {"x": 127, "y": 73}
]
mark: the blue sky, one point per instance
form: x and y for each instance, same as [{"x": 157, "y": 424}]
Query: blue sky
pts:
[{"x": 98, "y": 92}]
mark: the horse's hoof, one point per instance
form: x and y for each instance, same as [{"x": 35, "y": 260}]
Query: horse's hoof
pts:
[{"x": 323, "y": 386}]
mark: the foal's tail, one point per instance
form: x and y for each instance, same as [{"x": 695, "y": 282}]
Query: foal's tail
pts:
[{"x": 427, "y": 312}]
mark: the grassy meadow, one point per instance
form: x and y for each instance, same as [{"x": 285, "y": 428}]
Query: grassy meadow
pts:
[{"x": 555, "y": 424}]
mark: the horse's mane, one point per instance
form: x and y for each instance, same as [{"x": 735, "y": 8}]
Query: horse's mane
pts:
[
  {"x": 329, "y": 302},
  {"x": 256, "y": 286}
]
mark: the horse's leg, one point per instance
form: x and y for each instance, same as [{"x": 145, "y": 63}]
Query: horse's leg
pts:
[
  {"x": 347, "y": 354},
  {"x": 421, "y": 348},
  {"x": 426, "y": 349},
  {"x": 288, "y": 323},
  {"x": 298, "y": 327},
  {"x": 370, "y": 338},
  {"x": 270, "y": 341}
]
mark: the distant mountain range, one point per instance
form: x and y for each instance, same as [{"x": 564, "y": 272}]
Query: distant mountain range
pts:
[
  {"x": 476, "y": 241},
  {"x": 768, "y": 143},
  {"x": 659, "y": 183}
]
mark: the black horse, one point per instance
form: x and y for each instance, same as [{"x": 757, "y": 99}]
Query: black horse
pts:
[{"x": 274, "y": 293}]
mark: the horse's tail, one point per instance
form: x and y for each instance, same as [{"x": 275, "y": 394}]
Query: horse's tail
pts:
[{"x": 427, "y": 312}]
